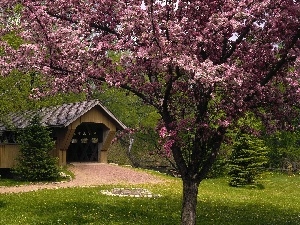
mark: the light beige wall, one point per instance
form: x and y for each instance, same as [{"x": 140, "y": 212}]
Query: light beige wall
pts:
[{"x": 95, "y": 115}]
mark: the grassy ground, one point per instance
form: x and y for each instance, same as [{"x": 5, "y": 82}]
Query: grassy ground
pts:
[
  {"x": 276, "y": 201},
  {"x": 12, "y": 182}
]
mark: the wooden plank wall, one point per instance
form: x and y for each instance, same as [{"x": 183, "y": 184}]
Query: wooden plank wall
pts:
[
  {"x": 8, "y": 154},
  {"x": 95, "y": 115}
]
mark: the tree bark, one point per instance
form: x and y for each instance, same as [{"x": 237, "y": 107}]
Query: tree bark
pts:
[{"x": 189, "y": 202}]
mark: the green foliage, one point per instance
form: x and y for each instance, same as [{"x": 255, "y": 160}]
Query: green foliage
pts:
[
  {"x": 247, "y": 160},
  {"x": 34, "y": 162},
  {"x": 13, "y": 39},
  {"x": 219, "y": 168},
  {"x": 15, "y": 93},
  {"x": 248, "y": 123},
  {"x": 118, "y": 154},
  {"x": 128, "y": 107},
  {"x": 138, "y": 116},
  {"x": 7, "y": 182},
  {"x": 144, "y": 152},
  {"x": 284, "y": 146}
]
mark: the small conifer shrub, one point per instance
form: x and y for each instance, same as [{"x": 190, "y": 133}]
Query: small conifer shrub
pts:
[
  {"x": 34, "y": 161},
  {"x": 247, "y": 160}
]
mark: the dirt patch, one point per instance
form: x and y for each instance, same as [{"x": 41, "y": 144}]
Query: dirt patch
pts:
[{"x": 91, "y": 174}]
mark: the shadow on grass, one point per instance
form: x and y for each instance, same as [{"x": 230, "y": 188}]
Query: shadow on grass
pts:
[
  {"x": 257, "y": 186},
  {"x": 2, "y": 204},
  {"x": 160, "y": 211},
  {"x": 245, "y": 214},
  {"x": 87, "y": 206},
  {"x": 123, "y": 211}
]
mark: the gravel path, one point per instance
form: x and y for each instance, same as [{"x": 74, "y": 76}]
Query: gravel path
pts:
[{"x": 91, "y": 174}]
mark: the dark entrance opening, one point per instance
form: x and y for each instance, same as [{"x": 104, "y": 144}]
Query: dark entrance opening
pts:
[{"x": 84, "y": 144}]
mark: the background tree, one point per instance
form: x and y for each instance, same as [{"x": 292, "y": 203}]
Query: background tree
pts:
[
  {"x": 201, "y": 64},
  {"x": 14, "y": 93},
  {"x": 139, "y": 117},
  {"x": 16, "y": 90},
  {"x": 35, "y": 162},
  {"x": 247, "y": 160},
  {"x": 284, "y": 150}
]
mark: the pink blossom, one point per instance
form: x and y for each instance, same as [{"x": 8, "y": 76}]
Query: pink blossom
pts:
[
  {"x": 167, "y": 147},
  {"x": 163, "y": 132}
]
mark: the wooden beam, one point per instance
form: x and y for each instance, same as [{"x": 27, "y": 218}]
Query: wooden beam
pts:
[{"x": 108, "y": 136}]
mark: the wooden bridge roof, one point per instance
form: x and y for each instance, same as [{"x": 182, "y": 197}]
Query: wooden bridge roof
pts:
[{"x": 60, "y": 116}]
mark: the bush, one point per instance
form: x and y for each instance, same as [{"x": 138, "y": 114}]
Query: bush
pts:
[
  {"x": 247, "y": 160},
  {"x": 34, "y": 162},
  {"x": 284, "y": 149},
  {"x": 219, "y": 168}
]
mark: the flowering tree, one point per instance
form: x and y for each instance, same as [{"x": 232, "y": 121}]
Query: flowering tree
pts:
[{"x": 201, "y": 64}]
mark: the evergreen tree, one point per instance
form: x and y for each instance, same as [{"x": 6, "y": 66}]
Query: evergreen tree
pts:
[
  {"x": 247, "y": 160},
  {"x": 284, "y": 147},
  {"x": 34, "y": 162}
]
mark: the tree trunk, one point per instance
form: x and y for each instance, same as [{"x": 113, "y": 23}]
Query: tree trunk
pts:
[
  {"x": 189, "y": 204},
  {"x": 131, "y": 157}
]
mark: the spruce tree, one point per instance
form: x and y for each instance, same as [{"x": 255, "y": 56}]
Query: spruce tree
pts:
[
  {"x": 34, "y": 161},
  {"x": 247, "y": 160}
]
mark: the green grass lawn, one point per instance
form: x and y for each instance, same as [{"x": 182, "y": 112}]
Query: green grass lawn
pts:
[{"x": 277, "y": 202}]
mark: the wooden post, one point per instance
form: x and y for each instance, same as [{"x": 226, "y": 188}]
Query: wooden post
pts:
[
  {"x": 108, "y": 136},
  {"x": 64, "y": 138}
]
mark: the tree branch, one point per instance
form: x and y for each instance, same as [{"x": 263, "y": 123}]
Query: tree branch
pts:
[
  {"x": 169, "y": 85},
  {"x": 167, "y": 19},
  {"x": 60, "y": 69},
  {"x": 153, "y": 25},
  {"x": 132, "y": 90},
  {"x": 215, "y": 143},
  {"x": 91, "y": 24},
  {"x": 284, "y": 58},
  {"x": 228, "y": 54}
]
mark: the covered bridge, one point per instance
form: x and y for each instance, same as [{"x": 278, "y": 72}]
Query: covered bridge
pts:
[{"x": 82, "y": 132}]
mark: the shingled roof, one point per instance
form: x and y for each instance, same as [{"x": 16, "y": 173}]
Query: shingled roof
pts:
[{"x": 59, "y": 116}]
